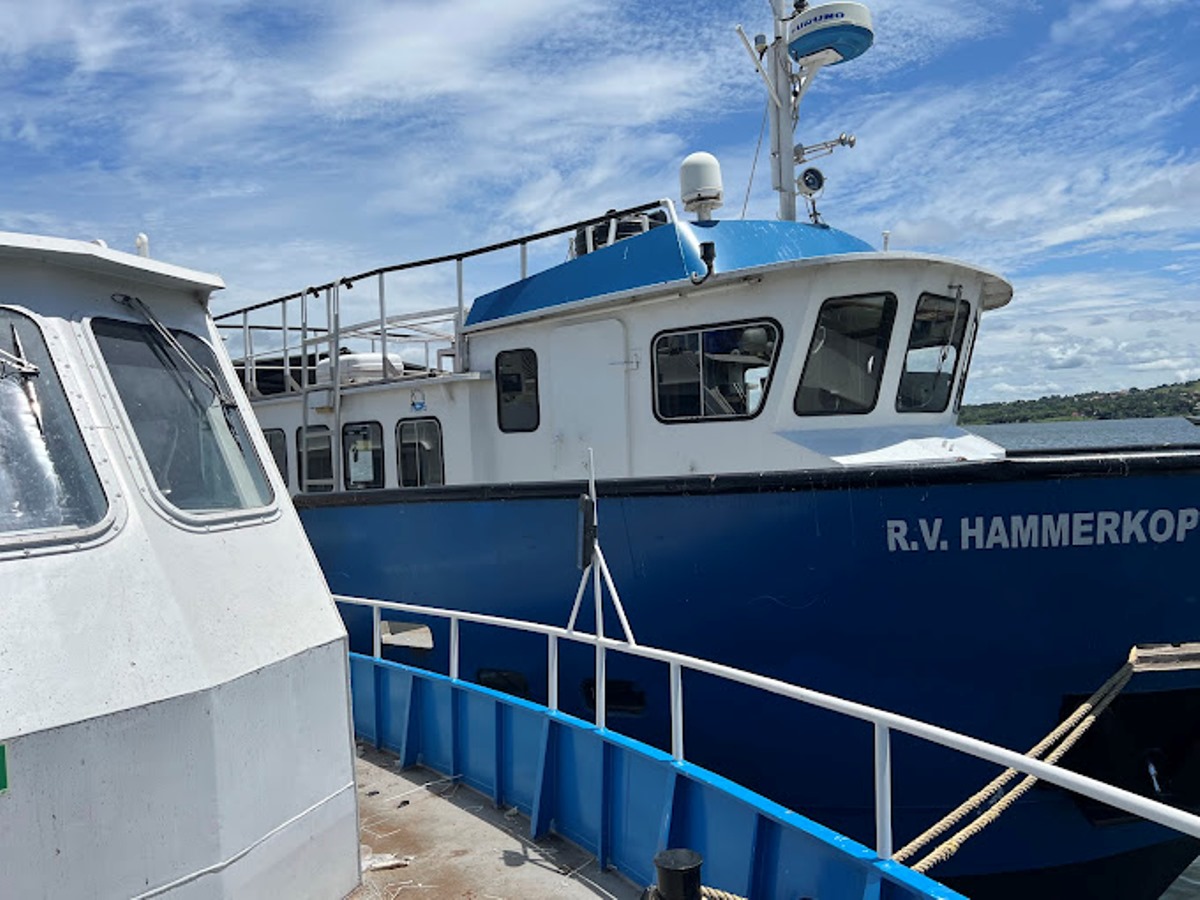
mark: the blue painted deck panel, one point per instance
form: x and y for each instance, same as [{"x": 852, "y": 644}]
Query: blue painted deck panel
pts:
[{"x": 617, "y": 798}]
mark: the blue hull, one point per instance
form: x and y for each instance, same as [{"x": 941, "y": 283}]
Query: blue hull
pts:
[{"x": 987, "y": 598}]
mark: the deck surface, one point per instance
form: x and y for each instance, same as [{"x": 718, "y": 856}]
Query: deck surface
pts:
[{"x": 437, "y": 838}]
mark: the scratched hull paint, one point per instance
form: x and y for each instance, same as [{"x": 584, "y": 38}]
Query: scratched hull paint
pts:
[{"x": 819, "y": 585}]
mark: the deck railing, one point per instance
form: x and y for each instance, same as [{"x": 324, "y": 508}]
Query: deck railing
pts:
[
  {"x": 884, "y": 722},
  {"x": 270, "y": 334}
]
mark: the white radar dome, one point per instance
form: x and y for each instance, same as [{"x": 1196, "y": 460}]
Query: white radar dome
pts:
[{"x": 700, "y": 184}]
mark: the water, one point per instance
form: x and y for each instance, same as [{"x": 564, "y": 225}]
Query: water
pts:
[
  {"x": 1104, "y": 433},
  {"x": 1100, "y": 433}
]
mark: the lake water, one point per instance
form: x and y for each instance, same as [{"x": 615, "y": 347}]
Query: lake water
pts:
[
  {"x": 1104, "y": 433},
  {"x": 1099, "y": 433}
]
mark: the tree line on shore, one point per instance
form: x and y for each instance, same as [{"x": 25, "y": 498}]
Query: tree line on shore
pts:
[{"x": 1134, "y": 403}]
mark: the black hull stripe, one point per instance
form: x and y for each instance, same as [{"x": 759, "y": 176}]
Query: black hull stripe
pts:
[{"x": 1106, "y": 463}]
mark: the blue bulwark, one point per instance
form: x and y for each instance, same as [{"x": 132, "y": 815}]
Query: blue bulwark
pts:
[{"x": 663, "y": 255}]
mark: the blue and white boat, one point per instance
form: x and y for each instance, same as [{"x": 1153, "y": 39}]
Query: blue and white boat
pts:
[
  {"x": 769, "y": 410},
  {"x": 174, "y": 713}
]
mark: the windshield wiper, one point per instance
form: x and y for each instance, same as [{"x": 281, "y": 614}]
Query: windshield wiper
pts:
[
  {"x": 16, "y": 363},
  {"x": 205, "y": 374}
]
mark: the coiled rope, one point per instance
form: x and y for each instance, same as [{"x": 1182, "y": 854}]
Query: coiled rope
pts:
[{"x": 1069, "y": 732}]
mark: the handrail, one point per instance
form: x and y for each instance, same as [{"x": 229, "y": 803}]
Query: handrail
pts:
[
  {"x": 884, "y": 722},
  {"x": 455, "y": 257}
]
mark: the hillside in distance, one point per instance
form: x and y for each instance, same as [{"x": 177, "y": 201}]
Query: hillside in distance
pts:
[{"x": 1134, "y": 403}]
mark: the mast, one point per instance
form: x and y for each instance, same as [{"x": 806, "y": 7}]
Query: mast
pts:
[
  {"x": 806, "y": 39},
  {"x": 783, "y": 118}
]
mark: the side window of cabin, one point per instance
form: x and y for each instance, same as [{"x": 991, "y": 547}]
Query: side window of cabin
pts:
[
  {"x": 48, "y": 480},
  {"x": 277, "y": 442},
  {"x": 194, "y": 442},
  {"x": 720, "y": 372},
  {"x": 517, "y": 390},
  {"x": 314, "y": 459},
  {"x": 934, "y": 346},
  {"x": 419, "y": 453},
  {"x": 847, "y": 356},
  {"x": 362, "y": 456}
]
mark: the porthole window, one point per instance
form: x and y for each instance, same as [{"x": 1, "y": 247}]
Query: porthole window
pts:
[
  {"x": 716, "y": 372},
  {"x": 517, "y": 390},
  {"x": 362, "y": 456},
  {"x": 277, "y": 442},
  {"x": 847, "y": 356},
  {"x": 314, "y": 459},
  {"x": 419, "y": 453}
]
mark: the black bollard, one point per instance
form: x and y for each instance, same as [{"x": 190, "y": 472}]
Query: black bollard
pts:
[{"x": 678, "y": 874}]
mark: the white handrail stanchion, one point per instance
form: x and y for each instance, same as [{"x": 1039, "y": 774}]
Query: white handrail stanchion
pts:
[
  {"x": 883, "y": 791},
  {"x": 601, "y": 686},
  {"x": 552, "y": 672},
  {"x": 677, "y": 711},
  {"x": 454, "y": 647},
  {"x": 1153, "y": 810},
  {"x": 377, "y": 632}
]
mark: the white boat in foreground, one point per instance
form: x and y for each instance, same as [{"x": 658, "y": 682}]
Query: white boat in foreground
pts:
[{"x": 174, "y": 716}]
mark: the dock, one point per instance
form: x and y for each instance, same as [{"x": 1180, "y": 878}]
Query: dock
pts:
[{"x": 425, "y": 835}]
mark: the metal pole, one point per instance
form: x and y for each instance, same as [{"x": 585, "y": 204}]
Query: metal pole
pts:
[
  {"x": 677, "y": 711},
  {"x": 287, "y": 359},
  {"x": 377, "y": 634},
  {"x": 458, "y": 320},
  {"x": 247, "y": 355},
  {"x": 783, "y": 171},
  {"x": 552, "y": 671},
  {"x": 333, "y": 303},
  {"x": 524, "y": 260},
  {"x": 454, "y": 648},
  {"x": 883, "y": 791},
  {"x": 383, "y": 328}
]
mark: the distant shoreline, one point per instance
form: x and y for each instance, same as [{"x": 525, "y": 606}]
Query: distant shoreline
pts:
[{"x": 1135, "y": 403}]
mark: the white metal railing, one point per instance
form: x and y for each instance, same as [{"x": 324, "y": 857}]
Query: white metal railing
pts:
[
  {"x": 884, "y": 722},
  {"x": 434, "y": 333}
]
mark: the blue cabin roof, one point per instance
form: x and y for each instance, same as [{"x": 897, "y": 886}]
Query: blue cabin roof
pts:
[{"x": 667, "y": 253}]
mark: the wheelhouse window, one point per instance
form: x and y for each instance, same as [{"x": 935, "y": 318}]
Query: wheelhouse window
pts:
[
  {"x": 362, "y": 456},
  {"x": 419, "y": 453},
  {"x": 847, "y": 356},
  {"x": 191, "y": 434},
  {"x": 517, "y": 390},
  {"x": 277, "y": 442},
  {"x": 934, "y": 347},
  {"x": 314, "y": 459},
  {"x": 718, "y": 372},
  {"x": 48, "y": 480}
]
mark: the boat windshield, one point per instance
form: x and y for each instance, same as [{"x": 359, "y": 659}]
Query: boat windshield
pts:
[
  {"x": 196, "y": 446},
  {"x": 47, "y": 479}
]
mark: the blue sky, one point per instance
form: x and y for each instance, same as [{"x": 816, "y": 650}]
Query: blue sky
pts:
[{"x": 286, "y": 144}]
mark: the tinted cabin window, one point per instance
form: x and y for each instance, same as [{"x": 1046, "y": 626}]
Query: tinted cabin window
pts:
[
  {"x": 195, "y": 444},
  {"x": 517, "y": 390},
  {"x": 847, "y": 356},
  {"x": 934, "y": 346},
  {"x": 314, "y": 459},
  {"x": 419, "y": 452},
  {"x": 47, "y": 480},
  {"x": 362, "y": 456},
  {"x": 277, "y": 442},
  {"x": 714, "y": 373}
]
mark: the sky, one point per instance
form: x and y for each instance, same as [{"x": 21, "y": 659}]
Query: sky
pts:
[{"x": 286, "y": 144}]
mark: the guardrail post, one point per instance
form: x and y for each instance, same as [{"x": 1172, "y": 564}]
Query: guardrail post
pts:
[
  {"x": 883, "y": 791},
  {"x": 677, "y": 711},
  {"x": 377, "y": 631},
  {"x": 454, "y": 647},
  {"x": 552, "y": 671}
]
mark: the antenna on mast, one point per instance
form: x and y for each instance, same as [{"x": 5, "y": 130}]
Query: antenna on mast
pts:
[{"x": 806, "y": 40}]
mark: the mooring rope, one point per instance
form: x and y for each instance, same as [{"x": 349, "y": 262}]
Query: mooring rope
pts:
[
  {"x": 1069, "y": 731},
  {"x": 713, "y": 894}
]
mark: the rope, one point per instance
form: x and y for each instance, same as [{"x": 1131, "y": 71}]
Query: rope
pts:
[
  {"x": 709, "y": 893},
  {"x": 761, "y": 131},
  {"x": 1069, "y": 731}
]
